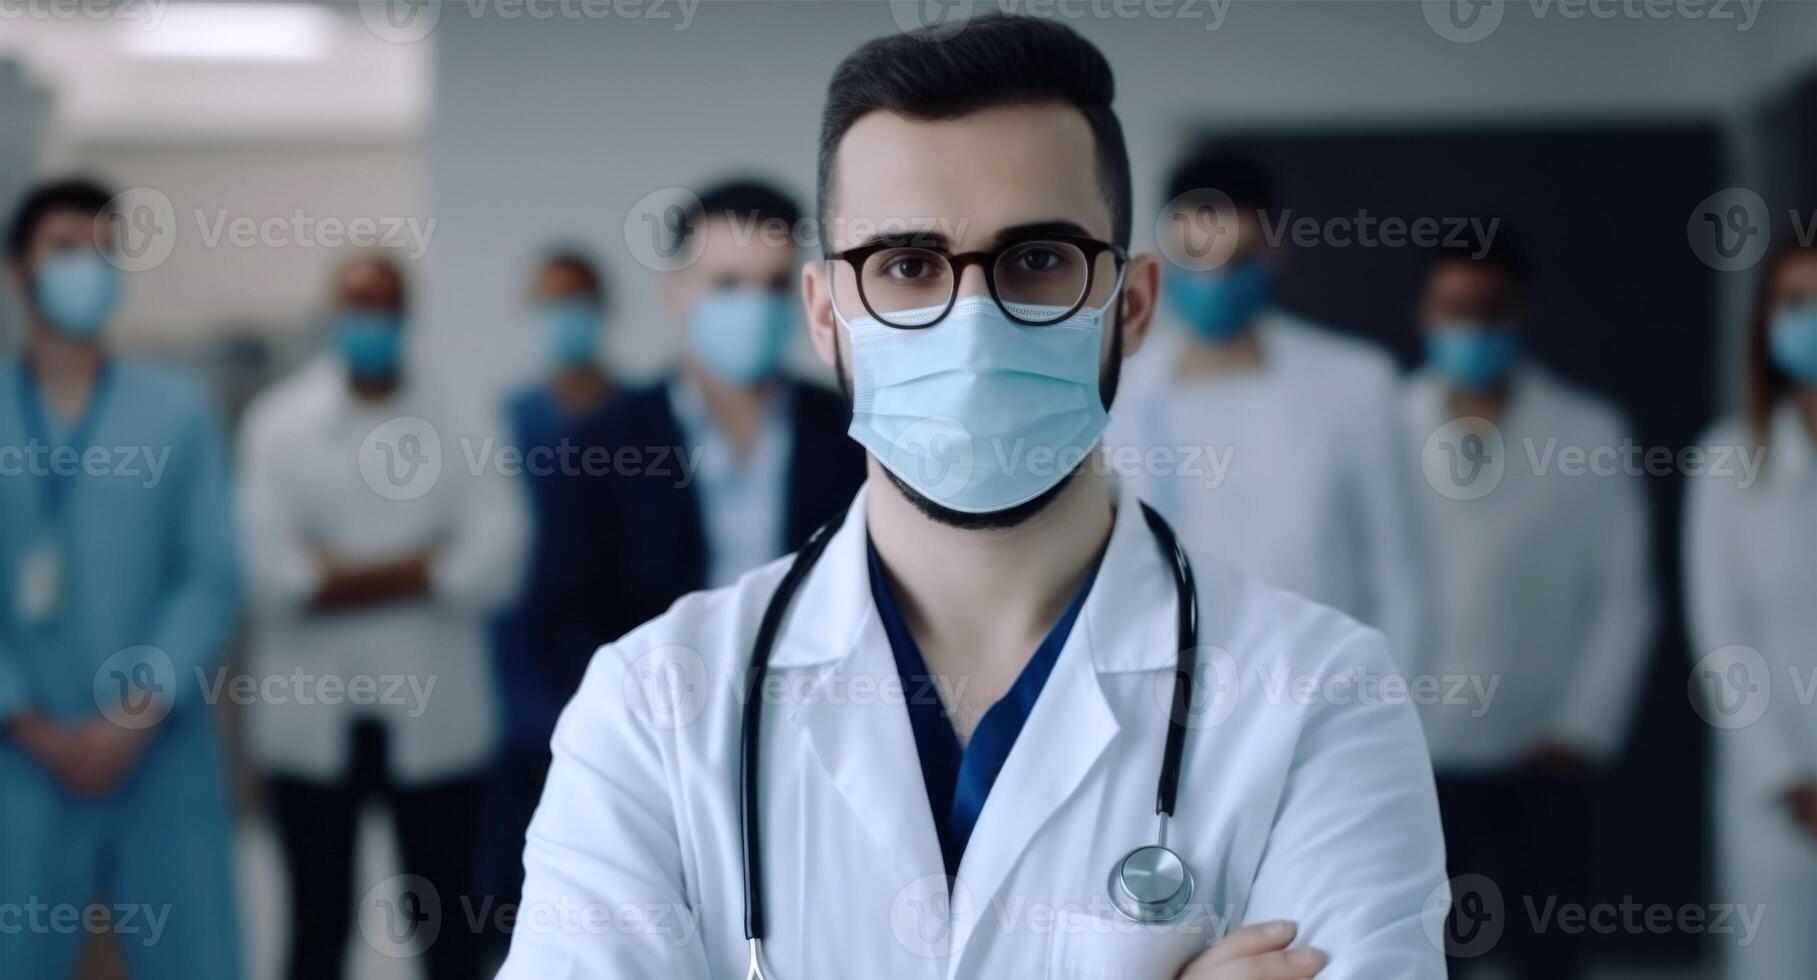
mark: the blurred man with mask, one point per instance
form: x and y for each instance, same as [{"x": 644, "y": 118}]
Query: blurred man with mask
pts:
[
  {"x": 1542, "y": 587},
  {"x": 565, "y": 314},
  {"x": 116, "y": 571},
  {"x": 374, "y": 558},
  {"x": 718, "y": 469},
  {"x": 1266, "y": 437}
]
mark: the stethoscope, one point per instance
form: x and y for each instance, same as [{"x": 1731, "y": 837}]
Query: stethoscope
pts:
[{"x": 1151, "y": 884}]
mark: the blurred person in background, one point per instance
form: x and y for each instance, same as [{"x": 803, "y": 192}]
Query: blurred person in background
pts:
[
  {"x": 374, "y": 559},
  {"x": 726, "y": 465},
  {"x": 1542, "y": 595},
  {"x": 1274, "y": 433},
  {"x": 1750, "y": 583},
  {"x": 566, "y": 311},
  {"x": 119, "y": 591}
]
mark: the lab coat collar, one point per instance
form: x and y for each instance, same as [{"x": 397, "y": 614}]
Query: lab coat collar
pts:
[{"x": 1129, "y": 616}]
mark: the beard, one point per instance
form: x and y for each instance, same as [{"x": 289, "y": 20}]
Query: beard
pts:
[{"x": 1110, "y": 374}]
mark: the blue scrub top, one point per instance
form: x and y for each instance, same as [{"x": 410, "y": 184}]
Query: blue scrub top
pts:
[{"x": 959, "y": 779}]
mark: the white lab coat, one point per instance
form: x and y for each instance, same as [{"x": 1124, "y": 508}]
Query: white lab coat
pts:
[
  {"x": 301, "y": 489},
  {"x": 1321, "y": 809},
  {"x": 1541, "y": 588},
  {"x": 1751, "y": 580},
  {"x": 1283, "y": 471}
]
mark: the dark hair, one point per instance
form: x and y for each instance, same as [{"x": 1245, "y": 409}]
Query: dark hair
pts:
[
  {"x": 580, "y": 263},
  {"x": 741, "y": 200},
  {"x": 995, "y": 60},
  {"x": 69, "y": 194},
  {"x": 1764, "y": 383},
  {"x": 1499, "y": 255},
  {"x": 1236, "y": 174}
]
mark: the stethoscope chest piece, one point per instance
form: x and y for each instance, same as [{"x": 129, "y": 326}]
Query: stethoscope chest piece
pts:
[{"x": 1151, "y": 884}]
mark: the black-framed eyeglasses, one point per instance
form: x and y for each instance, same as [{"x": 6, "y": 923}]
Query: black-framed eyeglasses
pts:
[{"x": 1037, "y": 281}]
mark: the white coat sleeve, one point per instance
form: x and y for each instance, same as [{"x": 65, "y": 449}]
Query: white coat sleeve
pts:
[
  {"x": 1599, "y": 705},
  {"x": 482, "y": 564},
  {"x": 280, "y": 572},
  {"x": 1356, "y": 854},
  {"x": 1719, "y": 596},
  {"x": 605, "y": 842}
]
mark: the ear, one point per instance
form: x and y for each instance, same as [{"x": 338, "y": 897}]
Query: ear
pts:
[
  {"x": 1141, "y": 293},
  {"x": 817, "y": 299}
]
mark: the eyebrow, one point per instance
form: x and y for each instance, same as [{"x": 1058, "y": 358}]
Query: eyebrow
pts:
[{"x": 930, "y": 238}]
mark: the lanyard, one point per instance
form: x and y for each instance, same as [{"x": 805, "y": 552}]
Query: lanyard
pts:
[{"x": 54, "y": 488}]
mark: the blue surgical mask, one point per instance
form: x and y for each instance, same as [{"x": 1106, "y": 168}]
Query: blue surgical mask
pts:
[
  {"x": 1792, "y": 341},
  {"x": 570, "y": 330},
  {"x": 740, "y": 334},
  {"x": 977, "y": 412},
  {"x": 1217, "y": 304},
  {"x": 1472, "y": 356},
  {"x": 75, "y": 292},
  {"x": 370, "y": 339}
]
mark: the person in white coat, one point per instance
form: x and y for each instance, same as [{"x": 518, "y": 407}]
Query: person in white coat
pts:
[
  {"x": 373, "y": 558},
  {"x": 960, "y": 729},
  {"x": 1542, "y": 590},
  {"x": 1750, "y": 575},
  {"x": 1263, "y": 435}
]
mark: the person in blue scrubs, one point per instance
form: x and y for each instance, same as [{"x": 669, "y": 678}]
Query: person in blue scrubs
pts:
[
  {"x": 117, "y": 592},
  {"x": 567, "y": 303}
]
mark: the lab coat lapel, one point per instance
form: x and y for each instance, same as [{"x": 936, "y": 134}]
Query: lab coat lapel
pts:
[
  {"x": 1126, "y": 625},
  {"x": 841, "y": 694}
]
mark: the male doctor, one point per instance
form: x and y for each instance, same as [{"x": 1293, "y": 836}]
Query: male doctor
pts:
[{"x": 965, "y": 708}]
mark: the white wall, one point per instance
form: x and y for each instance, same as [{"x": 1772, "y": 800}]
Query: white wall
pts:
[{"x": 558, "y": 127}]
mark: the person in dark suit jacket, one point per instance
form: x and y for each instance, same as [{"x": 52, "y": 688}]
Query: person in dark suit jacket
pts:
[{"x": 720, "y": 468}]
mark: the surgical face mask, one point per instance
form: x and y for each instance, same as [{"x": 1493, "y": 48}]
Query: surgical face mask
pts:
[
  {"x": 570, "y": 329},
  {"x": 978, "y": 413},
  {"x": 740, "y": 334},
  {"x": 1472, "y": 355},
  {"x": 370, "y": 340},
  {"x": 1792, "y": 341},
  {"x": 1217, "y": 304},
  {"x": 75, "y": 292}
]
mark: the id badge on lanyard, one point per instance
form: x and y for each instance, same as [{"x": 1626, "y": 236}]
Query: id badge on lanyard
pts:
[{"x": 41, "y": 578}]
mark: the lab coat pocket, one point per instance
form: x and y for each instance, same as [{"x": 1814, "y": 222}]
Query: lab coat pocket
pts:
[{"x": 1088, "y": 946}]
